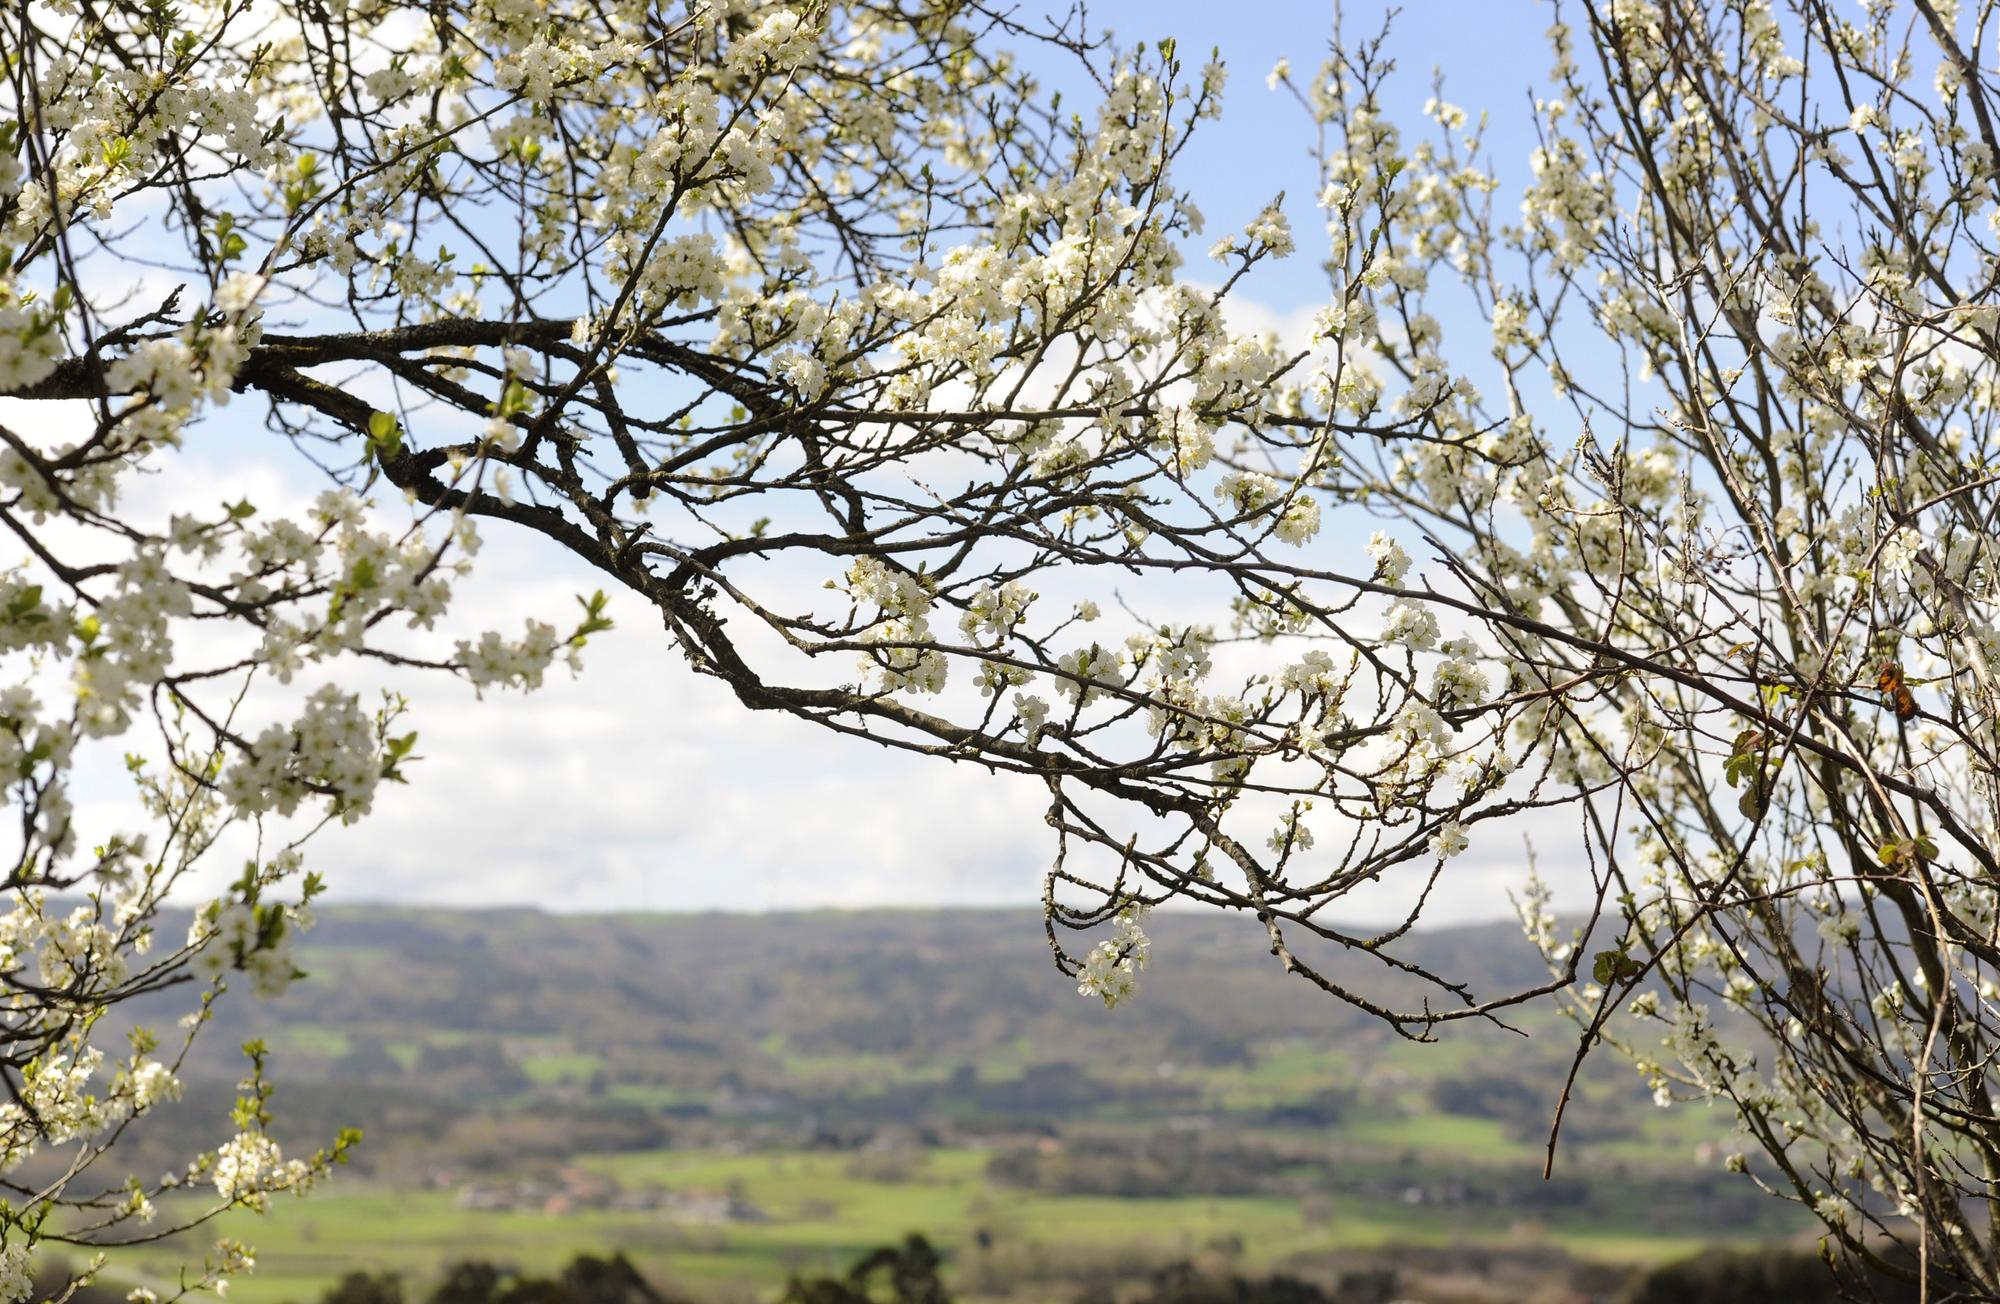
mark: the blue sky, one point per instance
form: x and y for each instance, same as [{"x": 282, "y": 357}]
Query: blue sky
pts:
[{"x": 1492, "y": 54}]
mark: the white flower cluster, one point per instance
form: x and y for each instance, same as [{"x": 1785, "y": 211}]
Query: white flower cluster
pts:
[
  {"x": 1083, "y": 669},
  {"x": 1391, "y": 562},
  {"x": 17, "y": 1273},
  {"x": 1449, "y": 840},
  {"x": 30, "y": 344},
  {"x": 497, "y": 662},
  {"x": 250, "y": 1168},
  {"x": 1412, "y": 624},
  {"x": 902, "y": 602},
  {"x": 258, "y": 940},
  {"x": 328, "y": 749},
  {"x": 1111, "y": 971}
]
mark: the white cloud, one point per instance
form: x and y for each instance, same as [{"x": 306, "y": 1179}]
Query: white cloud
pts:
[{"x": 641, "y": 785}]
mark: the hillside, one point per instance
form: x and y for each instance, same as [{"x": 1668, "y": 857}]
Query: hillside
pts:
[{"x": 777, "y": 1075}]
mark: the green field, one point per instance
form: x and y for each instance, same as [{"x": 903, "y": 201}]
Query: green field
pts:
[{"x": 822, "y": 1213}]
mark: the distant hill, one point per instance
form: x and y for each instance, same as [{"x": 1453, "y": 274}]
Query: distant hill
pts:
[
  {"x": 417, "y": 1019},
  {"x": 495, "y": 1056},
  {"x": 426, "y": 1026},
  {"x": 933, "y": 983}
]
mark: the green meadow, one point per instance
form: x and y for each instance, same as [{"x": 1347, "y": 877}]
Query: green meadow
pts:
[
  {"x": 821, "y": 1214},
  {"x": 848, "y": 1079}
]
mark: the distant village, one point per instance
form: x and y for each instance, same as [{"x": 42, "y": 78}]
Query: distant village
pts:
[{"x": 575, "y": 1190}]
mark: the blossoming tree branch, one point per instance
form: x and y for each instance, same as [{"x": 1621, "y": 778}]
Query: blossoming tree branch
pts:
[{"x": 1635, "y": 497}]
